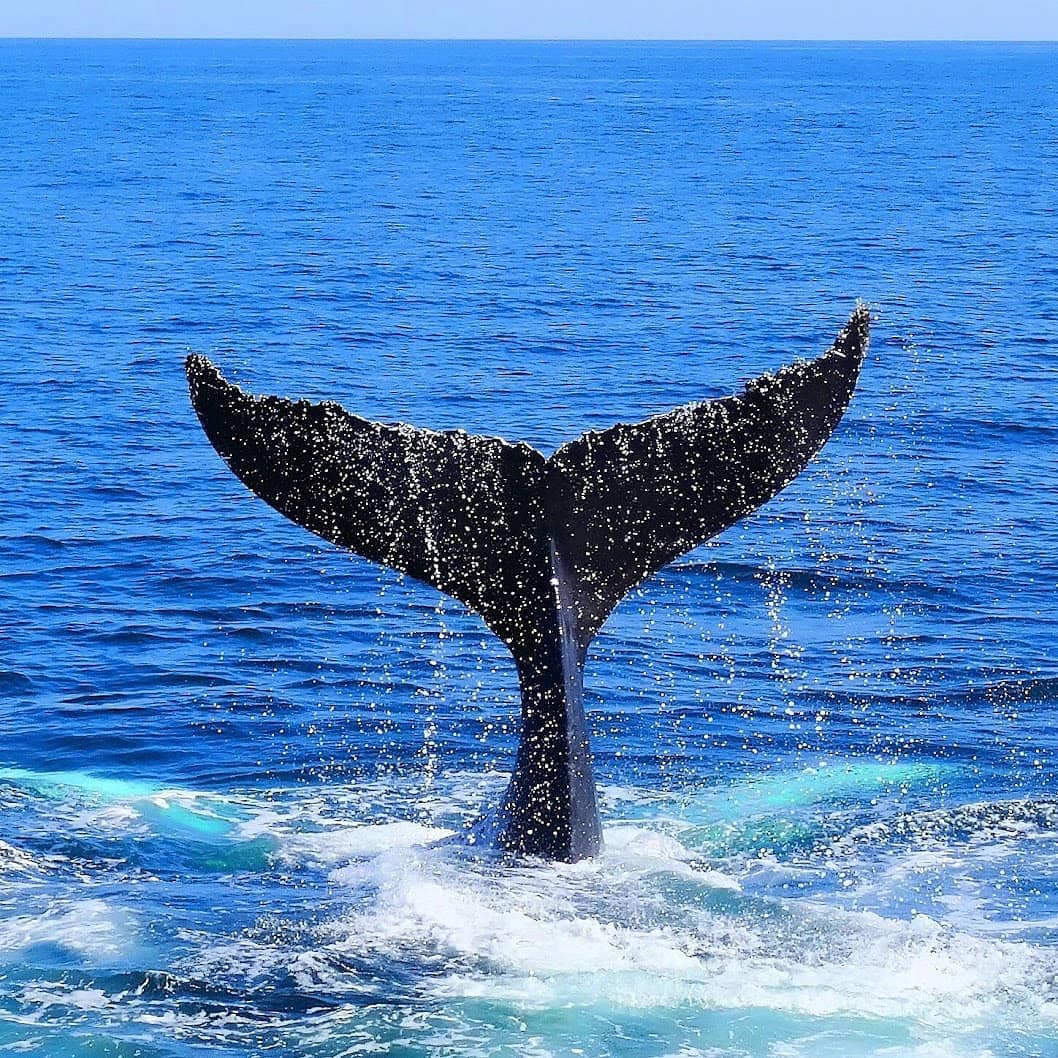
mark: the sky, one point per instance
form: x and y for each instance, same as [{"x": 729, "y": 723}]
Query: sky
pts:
[{"x": 538, "y": 19}]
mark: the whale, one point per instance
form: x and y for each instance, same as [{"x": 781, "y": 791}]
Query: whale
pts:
[{"x": 542, "y": 548}]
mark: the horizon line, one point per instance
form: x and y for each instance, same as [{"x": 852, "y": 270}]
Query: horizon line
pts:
[{"x": 528, "y": 40}]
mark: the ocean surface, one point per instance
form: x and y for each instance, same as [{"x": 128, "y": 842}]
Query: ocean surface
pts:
[{"x": 826, "y": 742}]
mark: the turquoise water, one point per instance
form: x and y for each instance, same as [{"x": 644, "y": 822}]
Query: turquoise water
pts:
[{"x": 825, "y": 741}]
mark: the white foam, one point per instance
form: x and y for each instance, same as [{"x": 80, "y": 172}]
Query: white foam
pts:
[
  {"x": 78, "y": 998},
  {"x": 645, "y": 850},
  {"x": 645, "y": 927},
  {"x": 248, "y": 962},
  {"x": 91, "y": 928},
  {"x": 909, "y": 972},
  {"x": 14, "y": 860},
  {"x": 639, "y": 929},
  {"x": 822, "y": 1044},
  {"x": 338, "y": 844}
]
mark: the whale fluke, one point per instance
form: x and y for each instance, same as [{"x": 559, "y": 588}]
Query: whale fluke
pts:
[
  {"x": 633, "y": 498},
  {"x": 456, "y": 511},
  {"x": 542, "y": 548}
]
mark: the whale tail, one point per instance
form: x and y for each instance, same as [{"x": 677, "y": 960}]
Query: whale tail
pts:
[
  {"x": 541, "y": 548},
  {"x": 470, "y": 515}
]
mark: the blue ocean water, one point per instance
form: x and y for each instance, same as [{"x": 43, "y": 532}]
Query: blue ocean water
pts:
[{"x": 825, "y": 741}]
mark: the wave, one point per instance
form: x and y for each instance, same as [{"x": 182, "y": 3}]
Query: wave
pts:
[
  {"x": 814, "y": 581},
  {"x": 993, "y": 821},
  {"x": 1003, "y": 692},
  {"x": 665, "y": 933},
  {"x": 13, "y": 682}
]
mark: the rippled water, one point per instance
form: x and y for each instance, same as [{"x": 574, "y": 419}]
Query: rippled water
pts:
[{"x": 826, "y": 740}]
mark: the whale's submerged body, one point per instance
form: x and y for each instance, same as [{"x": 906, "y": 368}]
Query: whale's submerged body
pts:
[{"x": 542, "y": 548}]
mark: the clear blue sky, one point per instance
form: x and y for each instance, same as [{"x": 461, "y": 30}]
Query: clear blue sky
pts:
[{"x": 716, "y": 19}]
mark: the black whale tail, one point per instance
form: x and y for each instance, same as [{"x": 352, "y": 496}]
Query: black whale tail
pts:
[{"x": 543, "y": 549}]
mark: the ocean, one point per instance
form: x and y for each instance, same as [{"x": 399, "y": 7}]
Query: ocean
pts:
[{"x": 825, "y": 741}]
